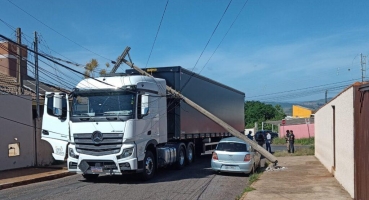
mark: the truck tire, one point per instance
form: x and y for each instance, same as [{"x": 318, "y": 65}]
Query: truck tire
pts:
[
  {"x": 190, "y": 153},
  {"x": 181, "y": 157},
  {"x": 90, "y": 177},
  {"x": 149, "y": 166}
]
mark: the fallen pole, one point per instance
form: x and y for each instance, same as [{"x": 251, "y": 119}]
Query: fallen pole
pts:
[{"x": 226, "y": 126}]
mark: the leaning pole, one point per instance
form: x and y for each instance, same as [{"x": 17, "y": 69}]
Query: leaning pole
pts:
[{"x": 226, "y": 126}]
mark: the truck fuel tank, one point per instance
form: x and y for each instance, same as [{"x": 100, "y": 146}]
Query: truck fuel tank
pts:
[{"x": 166, "y": 155}]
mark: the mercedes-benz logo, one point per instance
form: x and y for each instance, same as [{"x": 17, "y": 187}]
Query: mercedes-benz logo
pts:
[{"x": 97, "y": 137}]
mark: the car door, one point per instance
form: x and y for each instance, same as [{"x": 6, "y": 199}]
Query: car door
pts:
[{"x": 55, "y": 123}]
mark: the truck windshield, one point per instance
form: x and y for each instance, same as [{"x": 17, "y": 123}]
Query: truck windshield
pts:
[{"x": 104, "y": 104}]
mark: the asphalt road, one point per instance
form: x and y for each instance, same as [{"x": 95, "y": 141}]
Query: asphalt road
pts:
[{"x": 196, "y": 181}]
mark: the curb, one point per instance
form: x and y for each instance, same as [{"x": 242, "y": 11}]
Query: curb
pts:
[{"x": 35, "y": 180}]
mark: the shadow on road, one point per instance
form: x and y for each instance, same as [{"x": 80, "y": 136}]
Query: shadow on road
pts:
[{"x": 201, "y": 168}]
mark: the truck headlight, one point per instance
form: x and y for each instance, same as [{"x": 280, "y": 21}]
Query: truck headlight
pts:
[
  {"x": 126, "y": 153},
  {"x": 72, "y": 154}
]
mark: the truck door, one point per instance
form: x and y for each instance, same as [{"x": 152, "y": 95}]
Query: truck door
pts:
[{"x": 55, "y": 123}]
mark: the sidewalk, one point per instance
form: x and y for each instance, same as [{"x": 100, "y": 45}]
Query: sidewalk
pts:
[
  {"x": 304, "y": 178},
  {"x": 24, "y": 176}
]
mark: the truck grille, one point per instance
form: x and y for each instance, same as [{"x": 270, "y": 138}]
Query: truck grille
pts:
[{"x": 111, "y": 144}]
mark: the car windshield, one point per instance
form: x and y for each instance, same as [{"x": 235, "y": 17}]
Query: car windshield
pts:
[
  {"x": 103, "y": 104},
  {"x": 231, "y": 147}
]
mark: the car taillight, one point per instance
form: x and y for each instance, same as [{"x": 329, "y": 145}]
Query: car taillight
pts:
[
  {"x": 215, "y": 156},
  {"x": 247, "y": 158}
]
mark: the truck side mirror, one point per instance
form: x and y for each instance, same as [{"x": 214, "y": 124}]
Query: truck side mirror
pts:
[
  {"x": 144, "y": 105},
  {"x": 58, "y": 105}
]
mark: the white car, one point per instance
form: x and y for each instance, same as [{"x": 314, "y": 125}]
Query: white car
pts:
[{"x": 236, "y": 156}]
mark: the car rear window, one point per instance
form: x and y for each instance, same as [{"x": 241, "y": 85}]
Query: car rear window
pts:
[{"x": 231, "y": 147}]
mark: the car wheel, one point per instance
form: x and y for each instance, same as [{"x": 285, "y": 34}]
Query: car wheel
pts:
[
  {"x": 90, "y": 177},
  {"x": 149, "y": 166}
]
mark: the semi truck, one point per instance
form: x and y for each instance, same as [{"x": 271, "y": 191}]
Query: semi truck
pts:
[{"x": 128, "y": 123}]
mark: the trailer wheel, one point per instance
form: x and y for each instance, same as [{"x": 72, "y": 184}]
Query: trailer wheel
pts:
[
  {"x": 90, "y": 177},
  {"x": 190, "y": 154},
  {"x": 149, "y": 166},
  {"x": 181, "y": 158}
]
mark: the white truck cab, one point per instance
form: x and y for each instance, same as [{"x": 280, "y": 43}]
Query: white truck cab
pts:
[{"x": 106, "y": 125}]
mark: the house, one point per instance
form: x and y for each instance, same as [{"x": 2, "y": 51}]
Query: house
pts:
[
  {"x": 20, "y": 131},
  {"x": 302, "y": 127},
  {"x": 342, "y": 138},
  {"x": 301, "y": 112}
]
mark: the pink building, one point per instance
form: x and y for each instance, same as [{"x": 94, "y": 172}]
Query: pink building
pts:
[
  {"x": 301, "y": 127},
  {"x": 299, "y": 130}
]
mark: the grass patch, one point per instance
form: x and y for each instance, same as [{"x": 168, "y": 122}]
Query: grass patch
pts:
[
  {"x": 298, "y": 152},
  {"x": 254, "y": 177},
  {"x": 301, "y": 141}
]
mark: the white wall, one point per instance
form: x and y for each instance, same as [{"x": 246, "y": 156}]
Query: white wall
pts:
[
  {"x": 250, "y": 129},
  {"x": 344, "y": 128}
]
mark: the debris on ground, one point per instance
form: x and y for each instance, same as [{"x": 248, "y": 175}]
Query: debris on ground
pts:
[{"x": 274, "y": 168}]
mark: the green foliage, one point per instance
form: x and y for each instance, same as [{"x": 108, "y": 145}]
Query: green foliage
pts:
[
  {"x": 305, "y": 141},
  {"x": 255, "y": 111},
  {"x": 298, "y": 152},
  {"x": 279, "y": 141},
  {"x": 301, "y": 141}
]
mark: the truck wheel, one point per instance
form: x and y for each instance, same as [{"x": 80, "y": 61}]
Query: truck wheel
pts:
[
  {"x": 181, "y": 158},
  {"x": 190, "y": 154},
  {"x": 149, "y": 166},
  {"x": 90, "y": 177}
]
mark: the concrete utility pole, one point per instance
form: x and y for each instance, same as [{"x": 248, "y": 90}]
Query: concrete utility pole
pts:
[
  {"x": 227, "y": 127},
  {"x": 363, "y": 67},
  {"x": 19, "y": 61},
  {"x": 120, "y": 60},
  {"x": 35, "y": 44},
  {"x": 326, "y": 96}
]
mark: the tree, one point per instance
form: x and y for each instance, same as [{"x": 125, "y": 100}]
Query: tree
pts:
[
  {"x": 255, "y": 111},
  {"x": 91, "y": 68}
]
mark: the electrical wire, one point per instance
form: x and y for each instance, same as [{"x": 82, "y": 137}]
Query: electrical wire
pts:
[
  {"x": 244, "y": 5},
  {"x": 157, "y": 32},
  {"x": 59, "y": 32},
  {"x": 216, "y": 27}
]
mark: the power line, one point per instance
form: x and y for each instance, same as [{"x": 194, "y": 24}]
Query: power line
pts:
[
  {"x": 211, "y": 36},
  {"x": 59, "y": 32},
  {"x": 299, "y": 89},
  {"x": 300, "y": 94},
  {"x": 225, "y": 35},
  {"x": 157, "y": 32}
]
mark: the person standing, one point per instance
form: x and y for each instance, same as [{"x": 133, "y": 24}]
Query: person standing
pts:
[
  {"x": 287, "y": 137},
  {"x": 268, "y": 142},
  {"x": 259, "y": 137},
  {"x": 250, "y": 136},
  {"x": 292, "y": 142}
]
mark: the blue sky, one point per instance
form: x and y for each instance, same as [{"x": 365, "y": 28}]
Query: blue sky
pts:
[{"x": 273, "y": 46}]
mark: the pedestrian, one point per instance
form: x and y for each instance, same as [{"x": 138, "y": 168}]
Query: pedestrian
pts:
[
  {"x": 287, "y": 137},
  {"x": 268, "y": 142},
  {"x": 250, "y": 136},
  {"x": 292, "y": 142},
  {"x": 259, "y": 137}
]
